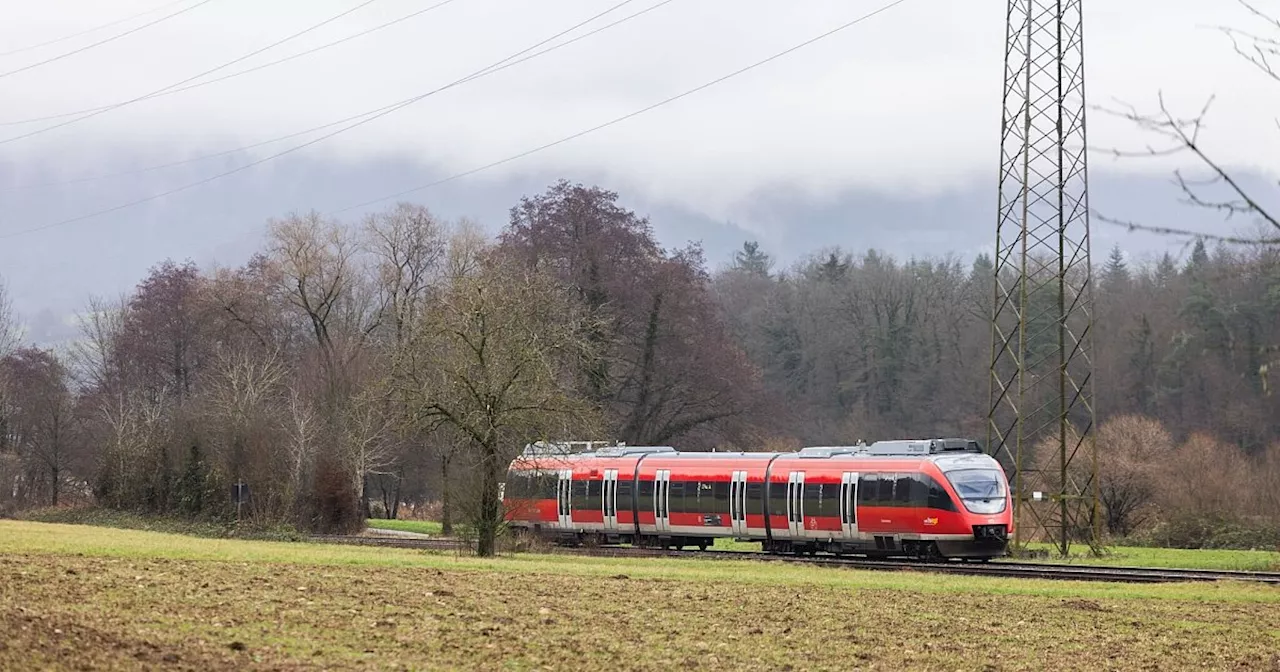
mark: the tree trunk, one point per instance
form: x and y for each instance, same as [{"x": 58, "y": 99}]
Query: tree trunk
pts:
[
  {"x": 446, "y": 510},
  {"x": 394, "y": 511},
  {"x": 490, "y": 513},
  {"x": 365, "y": 509},
  {"x": 54, "y": 484}
]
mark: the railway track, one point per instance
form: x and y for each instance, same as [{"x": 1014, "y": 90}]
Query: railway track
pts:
[{"x": 1005, "y": 569}]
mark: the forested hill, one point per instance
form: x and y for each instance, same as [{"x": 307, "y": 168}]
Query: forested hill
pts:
[{"x": 858, "y": 344}]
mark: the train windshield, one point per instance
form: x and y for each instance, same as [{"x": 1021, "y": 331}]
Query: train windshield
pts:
[{"x": 981, "y": 490}]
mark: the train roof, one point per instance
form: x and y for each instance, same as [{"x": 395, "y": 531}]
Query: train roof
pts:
[
  {"x": 905, "y": 448},
  {"x": 896, "y": 448}
]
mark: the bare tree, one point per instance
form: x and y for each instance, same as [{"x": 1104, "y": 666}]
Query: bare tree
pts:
[
  {"x": 408, "y": 246},
  {"x": 302, "y": 430},
  {"x": 1132, "y": 447},
  {"x": 1182, "y": 136},
  {"x": 243, "y": 401},
  {"x": 10, "y": 334},
  {"x": 317, "y": 260},
  {"x": 95, "y": 356},
  {"x": 1179, "y": 135},
  {"x": 368, "y": 440},
  {"x": 491, "y": 361},
  {"x": 322, "y": 270}
]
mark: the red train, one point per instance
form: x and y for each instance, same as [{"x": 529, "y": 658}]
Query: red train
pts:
[{"x": 935, "y": 498}]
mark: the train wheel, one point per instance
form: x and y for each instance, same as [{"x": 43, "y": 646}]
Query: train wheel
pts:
[{"x": 702, "y": 546}]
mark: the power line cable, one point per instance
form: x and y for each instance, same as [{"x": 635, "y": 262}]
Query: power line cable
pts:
[
  {"x": 239, "y": 73},
  {"x": 624, "y": 117},
  {"x": 228, "y": 64},
  {"x": 99, "y": 43},
  {"x": 94, "y": 29},
  {"x": 498, "y": 66},
  {"x": 393, "y": 106}
]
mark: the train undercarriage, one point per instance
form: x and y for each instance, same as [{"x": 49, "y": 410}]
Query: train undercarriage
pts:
[{"x": 885, "y": 546}]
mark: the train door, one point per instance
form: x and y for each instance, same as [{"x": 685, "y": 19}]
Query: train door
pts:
[
  {"x": 564, "y": 499},
  {"x": 738, "y": 503},
  {"x": 609, "y": 499},
  {"x": 662, "y": 500},
  {"x": 795, "y": 504},
  {"x": 849, "y": 505}
]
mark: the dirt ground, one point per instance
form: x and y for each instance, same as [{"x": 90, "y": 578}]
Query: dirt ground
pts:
[{"x": 73, "y": 611}]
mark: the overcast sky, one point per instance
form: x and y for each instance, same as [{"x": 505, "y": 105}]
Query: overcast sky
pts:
[{"x": 903, "y": 108}]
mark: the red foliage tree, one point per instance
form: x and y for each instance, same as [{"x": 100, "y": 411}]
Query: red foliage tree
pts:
[{"x": 668, "y": 368}]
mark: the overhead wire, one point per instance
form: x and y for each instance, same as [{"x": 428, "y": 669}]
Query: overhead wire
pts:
[
  {"x": 99, "y": 43},
  {"x": 624, "y": 117},
  {"x": 210, "y": 71},
  {"x": 94, "y": 29},
  {"x": 508, "y": 159},
  {"x": 238, "y": 73},
  {"x": 369, "y": 113},
  {"x": 369, "y": 116}
]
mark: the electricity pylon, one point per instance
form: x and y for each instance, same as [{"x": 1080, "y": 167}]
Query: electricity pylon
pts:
[{"x": 1041, "y": 417}]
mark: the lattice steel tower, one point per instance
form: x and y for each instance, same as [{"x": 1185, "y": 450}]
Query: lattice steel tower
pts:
[{"x": 1041, "y": 418}]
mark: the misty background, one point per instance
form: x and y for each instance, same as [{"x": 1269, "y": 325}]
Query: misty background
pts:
[{"x": 884, "y": 136}]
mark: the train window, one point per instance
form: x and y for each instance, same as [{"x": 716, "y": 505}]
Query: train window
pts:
[
  {"x": 829, "y": 500},
  {"x": 691, "y": 497},
  {"x": 580, "y": 500},
  {"x": 812, "y": 494},
  {"x": 644, "y": 496},
  {"x": 868, "y": 489},
  {"x": 543, "y": 486},
  {"x": 720, "y": 492},
  {"x": 885, "y": 496},
  {"x": 919, "y": 495},
  {"x": 902, "y": 490},
  {"x": 778, "y": 498},
  {"x": 594, "y": 490},
  {"x": 706, "y": 498},
  {"x": 755, "y": 498},
  {"x": 938, "y": 497},
  {"x": 677, "y": 497},
  {"x": 515, "y": 483}
]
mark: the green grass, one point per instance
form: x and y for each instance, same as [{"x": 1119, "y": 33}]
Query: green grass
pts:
[
  {"x": 77, "y": 596},
  {"x": 1116, "y": 555},
  {"x": 1168, "y": 558},
  {"x": 420, "y": 526}
]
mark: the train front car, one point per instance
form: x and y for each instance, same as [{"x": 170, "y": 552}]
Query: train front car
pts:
[{"x": 985, "y": 507}]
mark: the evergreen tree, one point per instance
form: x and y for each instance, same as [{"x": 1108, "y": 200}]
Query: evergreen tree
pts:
[
  {"x": 751, "y": 260},
  {"x": 1165, "y": 271},
  {"x": 1199, "y": 258},
  {"x": 982, "y": 269},
  {"x": 1115, "y": 275},
  {"x": 1142, "y": 360},
  {"x": 833, "y": 269}
]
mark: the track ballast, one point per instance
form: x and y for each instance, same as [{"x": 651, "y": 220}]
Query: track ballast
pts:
[{"x": 998, "y": 568}]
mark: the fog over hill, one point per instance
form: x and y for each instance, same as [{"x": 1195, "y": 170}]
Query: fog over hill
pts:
[
  {"x": 52, "y": 273},
  {"x": 885, "y": 135}
]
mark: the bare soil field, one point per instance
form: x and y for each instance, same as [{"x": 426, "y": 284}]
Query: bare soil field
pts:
[{"x": 78, "y": 597}]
